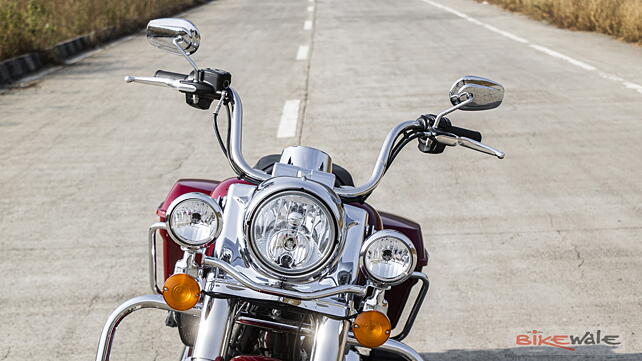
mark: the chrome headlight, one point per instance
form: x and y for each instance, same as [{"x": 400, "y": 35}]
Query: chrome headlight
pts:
[
  {"x": 292, "y": 232},
  {"x": 194, "y": 220},
  {"x": 388, "y": 257}
]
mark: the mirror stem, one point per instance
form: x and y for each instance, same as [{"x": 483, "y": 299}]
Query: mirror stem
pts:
[
  {"x": 175, "y": 42},
  {"x": 450, "y": 110}
]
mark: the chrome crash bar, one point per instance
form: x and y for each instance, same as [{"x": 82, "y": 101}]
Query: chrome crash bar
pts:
[
  {"x": 393, "y": 346},
  {"x": 156, "y": 302},
  {"x": 153, "y": 268},
  {"x": 412, "y": 316},
  {"x": 240, "y": 164},
  {"x": 305, "y": 296},
  {"x": 134, "y": 304}
]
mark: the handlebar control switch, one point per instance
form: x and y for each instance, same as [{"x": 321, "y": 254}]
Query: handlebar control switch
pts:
[
  {"x": 427, "y": 144},
  {"x": 217, "y": 78},
  {"x": 209, "y": 83}
]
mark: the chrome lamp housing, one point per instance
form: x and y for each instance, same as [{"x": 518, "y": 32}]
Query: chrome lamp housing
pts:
[
  {"x": 388, "y": 258},
  {"x": 194, "y": 220},
  {"x": 294, "y": 229}
]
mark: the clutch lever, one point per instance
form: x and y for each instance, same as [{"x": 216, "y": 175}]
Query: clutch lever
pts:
[
  {"x": 452, "y": 140},
  {"x": 152, "y": 80}
]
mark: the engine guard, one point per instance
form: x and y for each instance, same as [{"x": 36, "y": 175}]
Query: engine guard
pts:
[{"x": 157, "y": 302}]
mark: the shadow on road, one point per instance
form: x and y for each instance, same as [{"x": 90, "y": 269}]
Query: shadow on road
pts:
[{"x": 582, "y": 353}]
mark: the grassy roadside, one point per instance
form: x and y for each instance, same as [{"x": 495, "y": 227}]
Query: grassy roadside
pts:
[
  {"x": 36, "y": 25},
  {"x": 619, "y": 18}
]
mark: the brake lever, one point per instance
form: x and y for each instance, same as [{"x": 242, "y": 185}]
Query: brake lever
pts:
[
  {"x": 452, "y": 140},
  {"x": 152, "y": 80}
]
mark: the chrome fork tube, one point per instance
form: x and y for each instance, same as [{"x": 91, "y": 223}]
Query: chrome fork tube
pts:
[
  {"x": 330, "y": 340},
  {"x": 214, "y": 329}
]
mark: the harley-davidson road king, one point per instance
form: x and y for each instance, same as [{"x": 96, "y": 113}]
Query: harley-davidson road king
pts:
[{"x": 287, "y": 261}]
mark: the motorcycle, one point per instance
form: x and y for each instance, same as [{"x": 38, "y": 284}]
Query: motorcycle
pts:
[{"x": 287, "y": 260}]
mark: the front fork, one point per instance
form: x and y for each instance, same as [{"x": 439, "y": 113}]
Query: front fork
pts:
[
  {"x": 215, "y": 328},
  {"x": 330, "y": 340},
  {"x": 217, "y": 321}
]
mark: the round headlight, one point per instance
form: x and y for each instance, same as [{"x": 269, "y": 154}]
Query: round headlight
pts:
[
  {"x": 388, "y": 257},
  {"x": 292, "y": 232},
  {"x": 194, "y": 220}
]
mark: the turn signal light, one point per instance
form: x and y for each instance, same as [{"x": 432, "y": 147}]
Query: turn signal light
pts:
[
  {"x": 181, "y": 292},
  {"x": 371, "y": 328}
]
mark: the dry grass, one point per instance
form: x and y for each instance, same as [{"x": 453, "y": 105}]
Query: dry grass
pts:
[
  {"x": 32, "y": 25},
  {"x": 619, "y": 18}
]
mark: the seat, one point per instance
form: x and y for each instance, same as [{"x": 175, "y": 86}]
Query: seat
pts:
[{"x": 342, "y": 176}]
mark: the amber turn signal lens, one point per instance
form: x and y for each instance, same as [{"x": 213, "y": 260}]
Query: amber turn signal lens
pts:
[
  {"x": 371, "y": 328},
  {"x": 181, "y": 292}
]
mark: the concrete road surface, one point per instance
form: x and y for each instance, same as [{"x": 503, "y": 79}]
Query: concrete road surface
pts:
[{"x": 548, "y": 239}]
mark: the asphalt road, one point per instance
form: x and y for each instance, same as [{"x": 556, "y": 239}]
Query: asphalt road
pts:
[{"x": 549, "y": 238}]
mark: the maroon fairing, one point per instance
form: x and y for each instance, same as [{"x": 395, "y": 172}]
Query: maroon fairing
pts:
[
  {"x": 396, "y": 297},
  {"x": 171, "y": 251}
]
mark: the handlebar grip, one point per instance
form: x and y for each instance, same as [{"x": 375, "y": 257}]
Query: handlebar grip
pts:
[
  {"x": 170, "y": 75},
  {"x": 463, "y": 132}
]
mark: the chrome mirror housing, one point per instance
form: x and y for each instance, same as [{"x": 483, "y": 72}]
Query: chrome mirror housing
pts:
[
  {"x": 485, "y": 93},
  {"x": 177, "y": 36}
]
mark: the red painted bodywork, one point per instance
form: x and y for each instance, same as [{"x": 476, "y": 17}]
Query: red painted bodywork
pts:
[
  {"x": 171, "y": 251},
  {"x": 396, "y": 297}
]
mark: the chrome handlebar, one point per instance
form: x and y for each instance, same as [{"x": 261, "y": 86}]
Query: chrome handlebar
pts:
[
  {"x": 380, "y": 164},
  {"x": 236, "y": 155},
  {"x": 240, "y": 165}
]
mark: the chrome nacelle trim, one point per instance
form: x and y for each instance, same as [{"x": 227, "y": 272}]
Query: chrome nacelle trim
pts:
[
  {"x": 230, "y": 247},
  {"x": 271, "y": 188}
]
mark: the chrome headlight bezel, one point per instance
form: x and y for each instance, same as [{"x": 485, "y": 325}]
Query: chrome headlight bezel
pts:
[
  {"x": 388, "y": 233},
  {"x": 211, "y": 203},
  {"x": 272, "y": 188}
]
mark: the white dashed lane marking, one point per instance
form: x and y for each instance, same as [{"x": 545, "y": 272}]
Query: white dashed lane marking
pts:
[
  {"x": 555, "y": 54},
  {"x": 289, "y": 119},
  {"x": 302, "y": 54},
  {"x": 543, "y": 49}
]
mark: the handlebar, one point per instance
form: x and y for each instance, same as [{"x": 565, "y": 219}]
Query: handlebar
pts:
[
  {"x": 239, "y": 163},
  {"x": 467, "y": 133},
  {"x": 450, "y": 136},
  {"x": 170, "y": 75}
]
